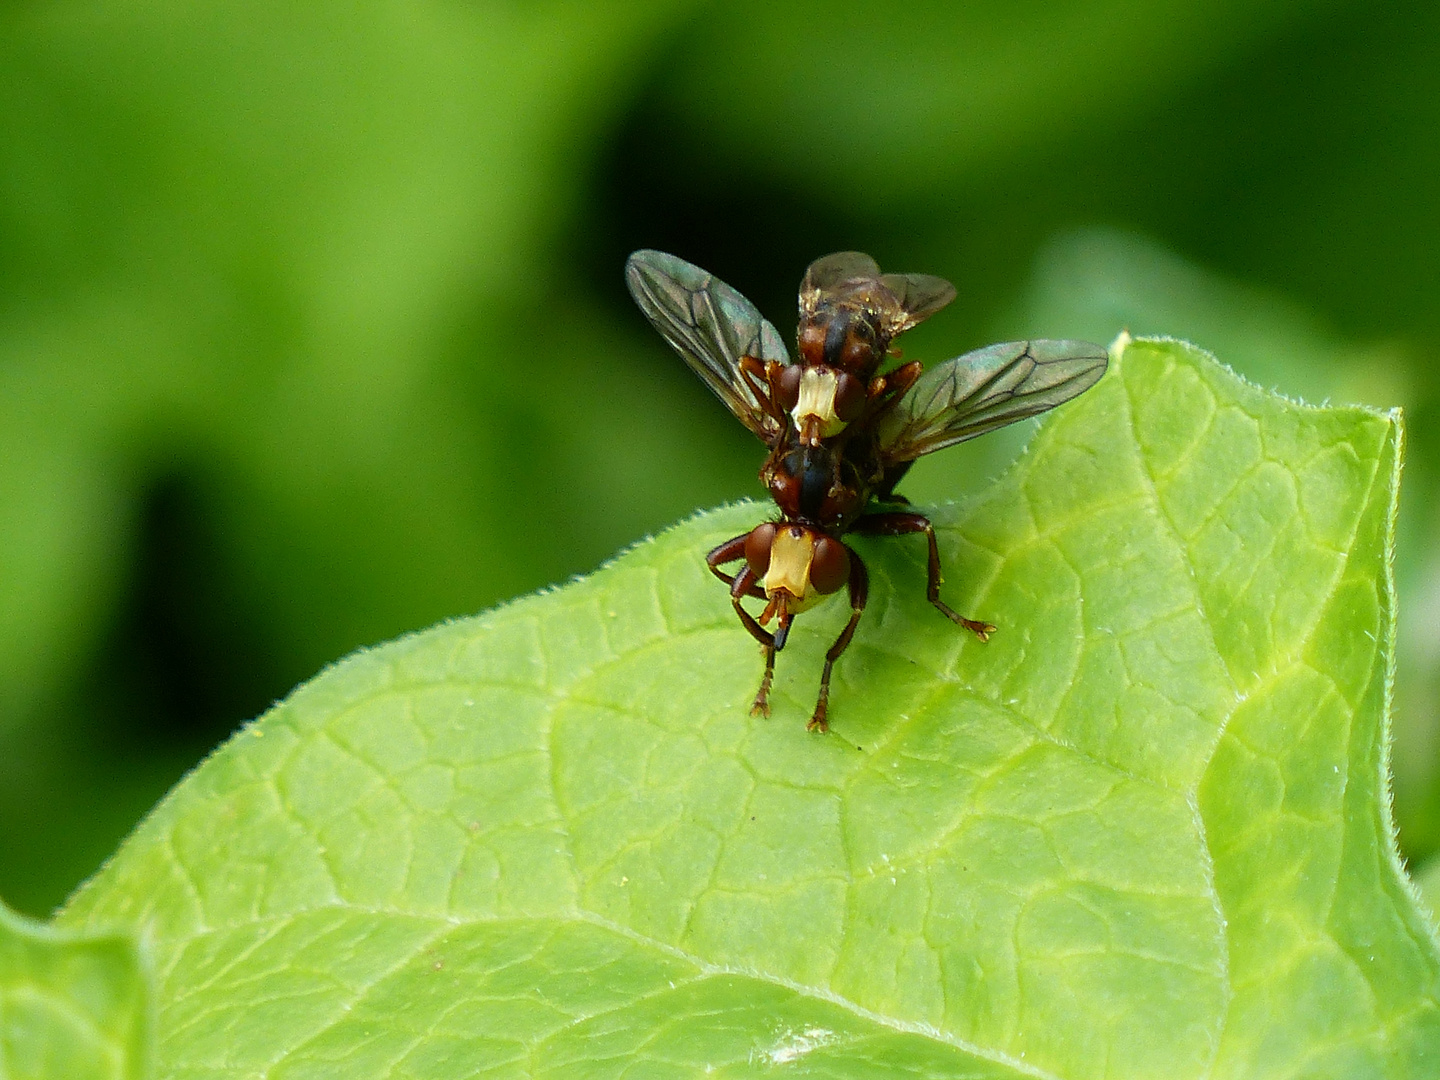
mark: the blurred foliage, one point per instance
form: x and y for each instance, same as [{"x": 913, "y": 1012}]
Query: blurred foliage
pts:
[{"x": 312, "y": 328}]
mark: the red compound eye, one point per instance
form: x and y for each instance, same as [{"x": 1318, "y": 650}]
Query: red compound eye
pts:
[
  {"x": 849, "y": 397},
  {"x": 757, "y": 547},
  {"x": 829, "y": 565},
  {"x": 787, "y": 386}
]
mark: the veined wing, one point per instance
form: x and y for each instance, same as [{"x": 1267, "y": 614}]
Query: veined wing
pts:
[
  {"x": 917, "y": 297},
  {"x": 987, "y": 389},
  {"x": 899, "y": 301},
  {"x": 712, "y": 326},
  {"x": 838, "y": 272}
]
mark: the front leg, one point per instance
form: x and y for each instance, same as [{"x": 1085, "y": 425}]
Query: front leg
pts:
[
  {"x": 761, "y": 376},
  {"x": 900, "y": 524},
  {"x": 728, "y": 552},
  {"x": 886, "y": 390},
  {"x": 744, "y": 581}
]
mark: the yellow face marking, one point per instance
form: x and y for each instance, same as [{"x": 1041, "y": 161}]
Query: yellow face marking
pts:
[
  {"x": 790, "y": 556},
  {"x": 817, "y": 399}
]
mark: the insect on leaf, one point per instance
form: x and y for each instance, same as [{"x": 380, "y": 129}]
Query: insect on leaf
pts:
[{"x": 1142, "y": 833}]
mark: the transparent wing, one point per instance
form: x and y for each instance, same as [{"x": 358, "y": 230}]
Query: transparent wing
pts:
[
  {"x": 900, "y": 300},
  {"x": 709, "y": 324},
  {"x": 917, "y": 297},
  {"x": 987, "y": 389},
  {"x": 831, "y": 273}
]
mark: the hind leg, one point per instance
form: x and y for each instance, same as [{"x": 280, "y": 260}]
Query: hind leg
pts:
[{"x": 901, "y": 524}]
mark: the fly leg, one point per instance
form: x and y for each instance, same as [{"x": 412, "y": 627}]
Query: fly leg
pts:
[
  {"x": 899, "y": 524},
  {"x": 859, "y": 592},
  {"x": 728, "y": 552},
  {"x": 743, "y": 582},
  {"x": 742, "y": 585},
  {"x": 761, "y": 376}
]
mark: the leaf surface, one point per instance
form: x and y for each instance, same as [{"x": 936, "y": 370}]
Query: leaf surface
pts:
[
  {"x": 72, "y": 1006},
  {"x": 1142, "y": 832}
]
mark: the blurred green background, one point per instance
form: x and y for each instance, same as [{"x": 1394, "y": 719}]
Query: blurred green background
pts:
[{"x": 313, "y": 330}]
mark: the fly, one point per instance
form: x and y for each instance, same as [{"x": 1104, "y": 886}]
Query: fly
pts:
[{"x": 841, "y": 430}]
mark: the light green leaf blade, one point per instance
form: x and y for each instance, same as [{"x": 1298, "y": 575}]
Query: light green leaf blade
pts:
[
  {"x": 1142, "y": 832},
  {"x": 73, "y": 1006}
]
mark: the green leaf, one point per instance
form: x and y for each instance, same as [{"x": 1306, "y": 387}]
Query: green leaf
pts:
[
  {"x": 1089, "y": 280},
  {"x": 1143, "y": 832},
  {"x": 73, "y": 1006}
]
